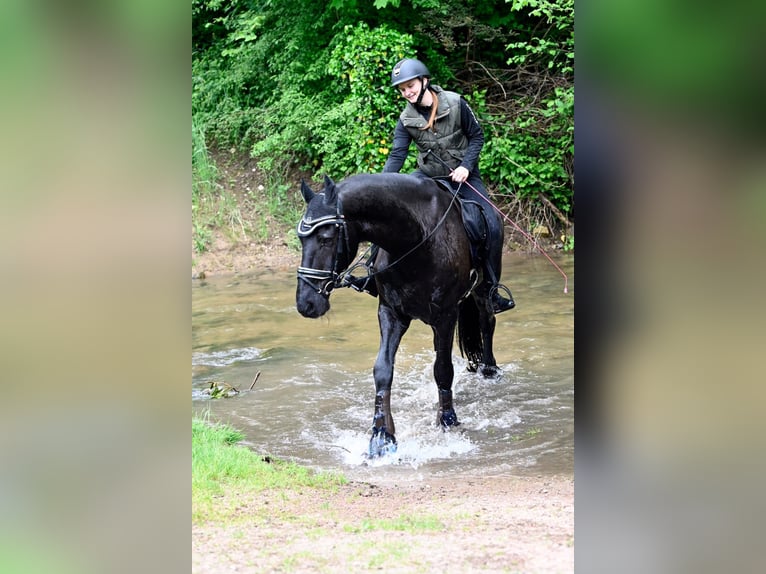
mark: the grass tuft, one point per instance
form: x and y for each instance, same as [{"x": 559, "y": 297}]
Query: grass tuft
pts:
[
  {"x": 223, "y": 469},
  {"x": 400, "y": 524}
]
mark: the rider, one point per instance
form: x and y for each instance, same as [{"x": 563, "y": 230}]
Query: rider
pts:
[{"x": 448, "y": 139}]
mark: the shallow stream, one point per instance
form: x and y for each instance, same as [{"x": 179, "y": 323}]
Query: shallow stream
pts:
[{"x": 313, "y": 400}]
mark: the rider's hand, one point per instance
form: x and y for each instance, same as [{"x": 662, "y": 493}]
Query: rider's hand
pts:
[{"x": 459, "y": 174}]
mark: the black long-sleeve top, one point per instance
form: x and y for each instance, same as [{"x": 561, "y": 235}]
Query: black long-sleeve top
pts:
[{"x": 468, "y": 123}]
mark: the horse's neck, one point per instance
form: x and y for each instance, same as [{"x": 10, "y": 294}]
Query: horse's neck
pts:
[{"x": 385, "y": 220}]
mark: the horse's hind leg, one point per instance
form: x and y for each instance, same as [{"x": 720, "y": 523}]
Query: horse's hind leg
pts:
[
  {"x": 487, "y": 323},
  {"x": 444, "y": 372},
  {"x": 489, "y": 366},
  {"x": 392, "y": 329}
]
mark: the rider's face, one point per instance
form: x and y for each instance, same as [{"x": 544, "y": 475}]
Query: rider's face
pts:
[{"x": 410, "y": 90}]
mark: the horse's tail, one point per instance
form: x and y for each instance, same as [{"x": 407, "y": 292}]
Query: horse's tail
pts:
[{"x": 469, "y": 333}]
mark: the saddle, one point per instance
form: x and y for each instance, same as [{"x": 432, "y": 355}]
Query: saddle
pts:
[{"x": 474, "y": 223}]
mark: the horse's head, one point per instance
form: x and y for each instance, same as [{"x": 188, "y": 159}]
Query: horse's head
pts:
[{"x": 326, "y": 249}]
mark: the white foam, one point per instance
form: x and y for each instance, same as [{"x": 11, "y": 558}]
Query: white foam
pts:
[
  {"x": 415, "y": 446},
  {"x": 224, "y": 358}
]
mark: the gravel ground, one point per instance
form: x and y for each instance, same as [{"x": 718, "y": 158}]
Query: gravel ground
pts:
[{"x": 486, "y": 524}]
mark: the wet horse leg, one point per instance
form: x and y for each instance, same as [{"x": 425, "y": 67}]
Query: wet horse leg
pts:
[
  {"x": 493, "y": 265},
  {"x": 392, "y": 329},
  {"x": 444, "y": 371},
  {"x": 487, "y": 322}
]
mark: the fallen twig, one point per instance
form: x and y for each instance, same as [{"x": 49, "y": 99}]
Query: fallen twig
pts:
[{"x": 258, "y": 374}]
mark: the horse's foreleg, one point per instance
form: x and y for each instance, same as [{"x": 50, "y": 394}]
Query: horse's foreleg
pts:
[
  {"x": 383, "y": 439},
  {"x": 392, "y": 329},
  {"x": 444, "y": 373}
]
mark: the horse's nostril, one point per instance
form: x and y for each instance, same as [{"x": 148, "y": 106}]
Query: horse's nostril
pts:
[
  {"x": 311, "y": 308},
  {"x": 306, "y": 309}
]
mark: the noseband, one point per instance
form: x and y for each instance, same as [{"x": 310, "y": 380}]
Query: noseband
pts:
[{"x": 321, "y": 280}]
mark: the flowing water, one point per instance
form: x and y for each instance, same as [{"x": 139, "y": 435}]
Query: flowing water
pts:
[{"x": 313, "y": 400}]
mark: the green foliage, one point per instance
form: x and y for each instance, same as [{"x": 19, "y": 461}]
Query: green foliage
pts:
[
  {"x": 347, "y": 128},
  {"x": 530, "y": 147},
  {"x": 211, "y": 206},
  {"x": 305, "y": 85},
  {"x": 554, "y": 48},
  {"x": 361, "y": 57},
  {"x": 533, "y": 151},
  {"x": 204, "y": 176}
]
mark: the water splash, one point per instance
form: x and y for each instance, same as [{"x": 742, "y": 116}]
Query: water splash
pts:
[
  {"x": 225, "y": 358},
  {"x": 416, "y": 446}
]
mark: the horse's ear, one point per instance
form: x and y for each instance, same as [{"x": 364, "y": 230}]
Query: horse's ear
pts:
[
  {"x": 306, "y": 191},
  {"x": 330, "y": 193}
]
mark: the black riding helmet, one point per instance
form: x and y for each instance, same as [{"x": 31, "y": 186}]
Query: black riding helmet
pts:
[{"x": 408, "y": 69}]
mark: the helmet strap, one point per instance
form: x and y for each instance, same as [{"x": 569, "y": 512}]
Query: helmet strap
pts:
[{"x": 422, "y": 89}]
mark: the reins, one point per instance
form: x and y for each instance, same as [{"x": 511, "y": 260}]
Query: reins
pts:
[
  {"x": 525, "y": 234},
  {"x": 509, "y": 220},
  {"x": 428, "y": 236}
]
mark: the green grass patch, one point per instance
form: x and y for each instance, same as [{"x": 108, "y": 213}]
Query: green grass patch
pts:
[
  {"x": 212, "y": 206},
  {"x": 385, "y": 554},
  {"x": 400, "y": 524},
  {"x": 222, "y": 471}
]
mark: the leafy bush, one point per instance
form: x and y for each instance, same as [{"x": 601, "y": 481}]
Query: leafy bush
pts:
[
  {"x": 530, "y": 146},
  {"x": 306, "y": 84},
  {"x": 534, "y": 151},
  {"x": 362, "y": 58},
  {"x": 347, "y": 128}
]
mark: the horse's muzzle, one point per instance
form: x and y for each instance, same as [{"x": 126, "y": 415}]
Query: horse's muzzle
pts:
[{"x": 310, "y": 301}]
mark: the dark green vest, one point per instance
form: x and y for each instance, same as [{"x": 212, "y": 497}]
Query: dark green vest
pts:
[{"x": 446, "y": 139}]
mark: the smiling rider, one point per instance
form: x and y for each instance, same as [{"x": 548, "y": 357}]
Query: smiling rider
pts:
[{"x": 448, "y": 139}]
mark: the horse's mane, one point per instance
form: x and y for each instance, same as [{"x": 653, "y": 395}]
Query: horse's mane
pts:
[
  {"x": 389, "y": 182},
  {"x": 408, "y": 193}
]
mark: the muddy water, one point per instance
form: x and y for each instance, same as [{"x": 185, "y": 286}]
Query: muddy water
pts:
[{"x": 313, "y": 400}]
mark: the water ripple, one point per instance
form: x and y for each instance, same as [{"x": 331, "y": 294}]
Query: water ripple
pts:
[{"x": 225, "y": 358}]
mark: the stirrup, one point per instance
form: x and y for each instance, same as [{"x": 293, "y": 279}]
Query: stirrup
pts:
[{"x": 500, "y": 303}]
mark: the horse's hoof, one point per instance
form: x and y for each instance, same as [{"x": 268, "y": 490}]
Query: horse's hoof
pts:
[
  {"x": 448, "y": 419},
  {"x": 490, "y": 371},
  {"x": 382, "y": 443}
]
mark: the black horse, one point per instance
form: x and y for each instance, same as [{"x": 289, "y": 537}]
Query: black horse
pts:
[{"x": 422, "y": 271}]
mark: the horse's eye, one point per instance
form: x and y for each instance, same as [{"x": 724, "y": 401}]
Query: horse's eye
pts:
[{"x": 325, "y": 241}]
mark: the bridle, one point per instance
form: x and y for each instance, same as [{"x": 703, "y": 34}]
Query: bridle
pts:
[{"x": 321, "y": 280}]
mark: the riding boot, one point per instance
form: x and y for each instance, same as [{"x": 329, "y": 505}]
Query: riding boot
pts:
[
  {"x": 500, "y": 303},
  {"x": 492, "y": 270}
]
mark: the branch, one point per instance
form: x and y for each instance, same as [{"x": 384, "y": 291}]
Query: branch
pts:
[
  {"x": 505, "y": 95},
  {"x": 562, "y": 218}
]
